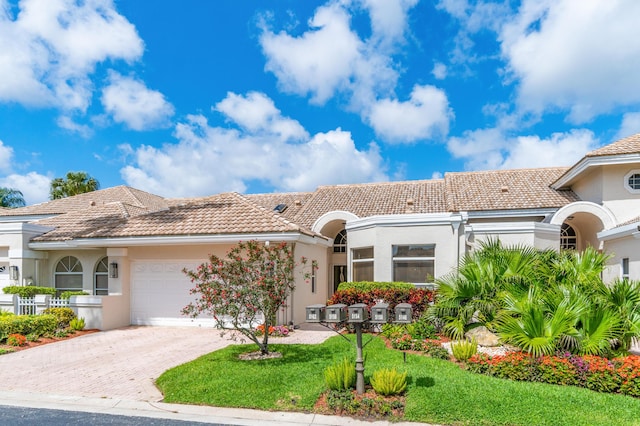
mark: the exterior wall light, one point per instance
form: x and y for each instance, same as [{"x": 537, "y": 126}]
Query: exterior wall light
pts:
[
  {"x": 14, "y": 273},
  {"x": 113, "y": 270}
]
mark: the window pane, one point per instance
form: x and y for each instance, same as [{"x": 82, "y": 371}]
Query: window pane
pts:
[
  {"x": 102, "y": 285},
  {"x": 363, "y": 253},
  {"x": 102, "y": 265},
  {"x": 363, "y": 271},
  {"x": 421, "y": 271},
  {"x": 425, "y": 250},
  {"x": 634, "y": 181},
  {"x": 69, "y": 282}
]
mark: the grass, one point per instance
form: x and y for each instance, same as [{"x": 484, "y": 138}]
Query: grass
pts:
[{"x": 438, "y": 391}]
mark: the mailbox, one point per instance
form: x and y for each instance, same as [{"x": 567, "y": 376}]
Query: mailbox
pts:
[
  {"x": 358, "y": 313},
  {"x": 404, "y": 313},
  {"x": 315, "y": 313},
  {"x": 380, "y": 313},
  {"x": 335, "y": 313}
]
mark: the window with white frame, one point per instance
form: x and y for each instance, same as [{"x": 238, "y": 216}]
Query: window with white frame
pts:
[
  {"x": 362, "y": 264},
  {"x": 340, "y": 242},
  {"x": 414, "y": 263},
  {"x": 624, "y": 268},
  {"x": 68, "y": 274},
  {"x": 632, "y": 181},
  {"x": 101, "y": 278},
  {"x": 568, "y": 237}
]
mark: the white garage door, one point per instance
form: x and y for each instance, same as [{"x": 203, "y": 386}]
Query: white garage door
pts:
[{"x": 159, "y": 292}]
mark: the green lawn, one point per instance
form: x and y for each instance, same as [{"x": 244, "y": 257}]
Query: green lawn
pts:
[{"x": 438, "y": 391}]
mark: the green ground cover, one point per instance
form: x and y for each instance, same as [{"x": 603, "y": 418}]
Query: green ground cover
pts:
[{"x": 438, "y": 391}]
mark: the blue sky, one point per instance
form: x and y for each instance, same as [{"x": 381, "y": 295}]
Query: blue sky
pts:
[{"x": 198, "y": 97}]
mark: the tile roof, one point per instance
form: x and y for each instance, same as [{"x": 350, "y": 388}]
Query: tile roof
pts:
[
  {"x": 425, "y": 196},
  {"x": 124, "y": 194},
  {"x": 628, "y": 145},
  {"x": 227, "y": 213},
  {"x": 505, "y": 190},
  {"x": 295, "y": 201}
]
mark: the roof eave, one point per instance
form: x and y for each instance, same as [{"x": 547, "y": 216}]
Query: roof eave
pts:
[{"x": 572, "y": 174}]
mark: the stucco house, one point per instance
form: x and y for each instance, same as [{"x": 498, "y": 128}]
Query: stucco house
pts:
[{"x": 127, "y": 248}]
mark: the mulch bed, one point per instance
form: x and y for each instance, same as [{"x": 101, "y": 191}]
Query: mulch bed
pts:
[
  {"x": 361, "y": 409},
  {"x": 44, "y": 341}
]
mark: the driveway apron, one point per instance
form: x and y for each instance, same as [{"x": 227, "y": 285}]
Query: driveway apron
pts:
[{"x": 121, "y": 363}]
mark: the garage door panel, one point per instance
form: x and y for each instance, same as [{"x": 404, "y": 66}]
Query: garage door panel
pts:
[{"x": 159, "y": 292}]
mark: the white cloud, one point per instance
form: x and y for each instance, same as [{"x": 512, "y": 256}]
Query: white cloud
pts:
[
  {"x": 34, "y": 186},
  {"x": 49, "y": 49},
  {"x": 630, "y": 125},
  {"x": 491, "y": 149},
  {"x": 206, "y": 159},
  {"x": 256, "y": 113},
  {"x": 66, "y": 122},
  {"x": 577, "y": 56},
  {"x": 130, "y": 102},
  {"x": 331, "y": 60},
  {"x": 425, "y": 114},
  {"x": 439, "y": 71}
]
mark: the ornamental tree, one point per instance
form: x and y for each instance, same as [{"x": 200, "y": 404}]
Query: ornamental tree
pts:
[{"x": 245, "y": 289}]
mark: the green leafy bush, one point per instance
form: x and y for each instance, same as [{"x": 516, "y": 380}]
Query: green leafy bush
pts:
[
  {"x": 68, "y": 294},
  {"x": 64, "y": 316},
  {"x": 37, "y": 325},
  {"x": 389, "y": 381},
  {"x": 77, "y": 324},
  {"x": 341, "y": 375},
  {"x": 435, "y": 350},
  {"x": 375, "y": 285},
  {"x": 464, "y": 349},
  {"x": 28, "y": 291}
]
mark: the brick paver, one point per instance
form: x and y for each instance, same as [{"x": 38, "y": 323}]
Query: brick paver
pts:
[{"x": 121, "y": 363}]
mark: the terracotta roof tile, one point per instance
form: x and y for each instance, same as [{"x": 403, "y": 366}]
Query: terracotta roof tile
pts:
[
  {"x": 505, "y": 190},
  {"x": 628, "y": 145},
  {"x": 422, "y": 196},
  {"x": 124, "y": 194}
]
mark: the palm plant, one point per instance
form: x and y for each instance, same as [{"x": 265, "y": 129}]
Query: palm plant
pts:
[
  {"x": 10, "y": 197},
  {"x": 623, "y": 298},
  {"x": 73, "y": 184}
]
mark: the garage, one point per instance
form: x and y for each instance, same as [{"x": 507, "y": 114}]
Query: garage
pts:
[{"x": 159, "y": 292}]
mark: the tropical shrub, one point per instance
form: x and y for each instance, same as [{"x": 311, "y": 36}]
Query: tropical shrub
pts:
[
  {"x": 464, "y": 349},
  {"x": 28, "y": 290},
  {"x": 16, "y": 340},
  {"x": 341, "y": 375},
  {"x": 388, "y": 381},
  {"x": 37, "y": 325},
  {"x": 77, "y": 324},
  {"x": 365, "y": 286},
  {"x": 68, "y": 294},
  {"x": 63, "y": 316}
]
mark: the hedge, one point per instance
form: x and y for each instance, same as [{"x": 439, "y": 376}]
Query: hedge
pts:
[
  {"x": 28, "y": 291},
  {"x": 36, "y": 325},
  {"x": 375, "y": 285},
  {"x": 419, "y": 298}
]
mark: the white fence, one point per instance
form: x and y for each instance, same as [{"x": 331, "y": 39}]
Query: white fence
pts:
[{"x": 32, "y": 305}]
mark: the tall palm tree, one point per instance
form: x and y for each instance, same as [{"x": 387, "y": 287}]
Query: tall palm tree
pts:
[
  {"x": 75, "y": 183},
  {"x": 10, "y": 197}
]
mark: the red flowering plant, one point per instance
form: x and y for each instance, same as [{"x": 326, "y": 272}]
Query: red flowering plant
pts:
[
  {"x": 245, "y": 289},
  {"x": 16, "y": 340}
]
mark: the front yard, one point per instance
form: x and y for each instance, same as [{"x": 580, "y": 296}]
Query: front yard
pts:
[{"x": 438, "y": 391}]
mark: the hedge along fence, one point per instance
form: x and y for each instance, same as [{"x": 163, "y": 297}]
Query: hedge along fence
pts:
[
  {"x": 371, "y": 292},
  {"x": 28, "y": 291},
  {"x": 35, "y": 325}
]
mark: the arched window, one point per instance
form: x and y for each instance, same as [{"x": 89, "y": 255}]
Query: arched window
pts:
[
  {"x": 101, "y": 278},
  {"x": 68, "y": 274},
  {"x": 568, "y": 237},
  {"x": 340, "y": 242}
]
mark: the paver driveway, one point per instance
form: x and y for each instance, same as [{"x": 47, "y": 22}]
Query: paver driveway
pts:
[{"x": 121, "y": 363}]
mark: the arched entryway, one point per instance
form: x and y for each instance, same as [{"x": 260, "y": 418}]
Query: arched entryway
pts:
[{"x": 580, "y": 223}]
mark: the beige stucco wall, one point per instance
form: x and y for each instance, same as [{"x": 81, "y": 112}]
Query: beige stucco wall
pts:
[
  {"x": 448, "y": 245},
  {"x": 589, "y": 186},
  {"x": 88, "y": 258},
  {"x": 539, "y": 235},
  {"x": 303, "y": 295},
  {"x": 628, "y": 247},
  {"x": 622, "y": 203}
]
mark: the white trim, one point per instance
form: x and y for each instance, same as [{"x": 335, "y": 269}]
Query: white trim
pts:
[
  {"x": 587, "y": 162},
  {"x": 331, "y": 216},
  {"x": 405, "y": 220},
  {"x": 179, "y": 240},
  {"x": 601, "y": 212},
  {"x": 620, "y": 232},
  {"x": 536, "y": 228},
  {"x": 21, "y": 227},
  {"x": 487, "y": 214},
  {"x": 26, "y": 254},
  {"x": 26, "y": 218}
]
